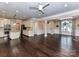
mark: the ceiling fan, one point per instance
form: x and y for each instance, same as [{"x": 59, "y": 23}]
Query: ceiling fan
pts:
[{"x": 40, "y": 7}]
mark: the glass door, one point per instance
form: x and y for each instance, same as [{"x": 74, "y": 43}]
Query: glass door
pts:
[{"x": 66, "y": 27}]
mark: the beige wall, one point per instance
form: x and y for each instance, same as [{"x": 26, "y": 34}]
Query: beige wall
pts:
[
  {"x": 39, "y": 27},
  {"x": 15, "y": 24},
  {"x": 77, "y": 27},
  {"x": 29, "y": 31},
  {"x": 50, "y": 26},
  {"x": 36, "y": 27},
  {"x": 56, "y": 29},
  {"x": 77, "y": 22}
]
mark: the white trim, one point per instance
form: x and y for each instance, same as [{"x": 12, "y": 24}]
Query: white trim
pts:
[{"x": 45, "y": 34}]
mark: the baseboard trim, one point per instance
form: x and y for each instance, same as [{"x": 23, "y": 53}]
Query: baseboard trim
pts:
[
  {"x": 25, "y": 35},
  {"x": 1, "y": 37},
  {"x": 66, "y": 35},
  {"x": 49, "y": 34}
]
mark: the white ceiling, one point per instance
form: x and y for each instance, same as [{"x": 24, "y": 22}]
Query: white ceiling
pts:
[{"x": 9, "y": 10}]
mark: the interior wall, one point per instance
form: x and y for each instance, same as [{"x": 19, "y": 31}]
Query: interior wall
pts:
[
  {"x": 18, "y": 24},
  {"x": 57, "y": 27},
  {"x": 77, "y": 27},
  {"x": 39, "y": 27},
  {"x": 50, "y": 27},
  {"x": 29, "y": 28},
  {"x": 1, "y": 23},
  {"x": 36, "y": 27},
  {"x": 53, "y": 26}
]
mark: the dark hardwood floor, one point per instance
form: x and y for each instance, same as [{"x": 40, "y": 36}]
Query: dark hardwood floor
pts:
[{"x": 40, "y": 46}]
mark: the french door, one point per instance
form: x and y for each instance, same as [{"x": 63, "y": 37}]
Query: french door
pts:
[{"x": 67, "y": 27}]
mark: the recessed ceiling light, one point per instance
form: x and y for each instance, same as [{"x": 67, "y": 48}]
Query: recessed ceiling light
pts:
[
  {"x": 17, "y": 11},
  {"x": 6, "y": 2},
  {"x": 65, "y": 5}
]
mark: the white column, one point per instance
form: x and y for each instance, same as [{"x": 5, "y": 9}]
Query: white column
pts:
[
  {"x": 45, "y": 34},
  {"x": 33, "y": 31}
]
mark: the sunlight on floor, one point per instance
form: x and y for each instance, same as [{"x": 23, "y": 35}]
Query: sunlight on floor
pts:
[{"x": 66, "y": 42}]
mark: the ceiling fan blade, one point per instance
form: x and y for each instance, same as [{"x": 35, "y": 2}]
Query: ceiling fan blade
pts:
[
  {"x": 46, "y": 6},
  {"x": 41, "y": 11},
  {"x": 33, "y": 8}
]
